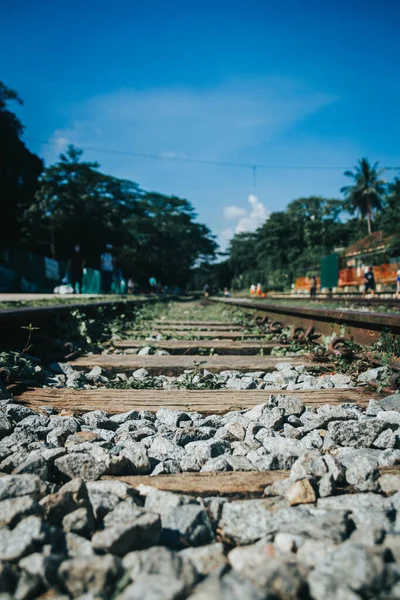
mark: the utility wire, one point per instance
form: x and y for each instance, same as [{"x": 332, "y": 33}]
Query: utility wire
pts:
[{"x": 209, "y": 162}]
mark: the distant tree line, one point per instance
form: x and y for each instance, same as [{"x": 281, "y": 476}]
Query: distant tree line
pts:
[
  {"x": 291, "y": 242},
  {"x": 48, "y": 210}
]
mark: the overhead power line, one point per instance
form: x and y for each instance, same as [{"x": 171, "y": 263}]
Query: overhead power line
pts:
[{"x": 204, "y": 161}]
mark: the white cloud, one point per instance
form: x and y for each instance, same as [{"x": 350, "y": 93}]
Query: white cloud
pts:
[
  {"x": 253, "y": 218},
  {"x": 247, "y": 219},
  {"x": 234, "y": 212}
]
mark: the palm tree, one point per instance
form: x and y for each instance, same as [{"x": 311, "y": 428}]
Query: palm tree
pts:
[{"x": 366, "y": 193}]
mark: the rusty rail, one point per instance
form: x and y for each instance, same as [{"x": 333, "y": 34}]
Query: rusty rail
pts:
[{"x": 362, "y": 327}]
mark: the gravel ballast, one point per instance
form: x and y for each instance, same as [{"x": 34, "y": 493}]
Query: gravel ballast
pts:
[{"x": 330, "y": 530}]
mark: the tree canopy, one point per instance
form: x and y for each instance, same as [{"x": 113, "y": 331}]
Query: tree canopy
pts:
[
  {"x": 19, "y": 169},
  {"x": 367, "y": 192}
]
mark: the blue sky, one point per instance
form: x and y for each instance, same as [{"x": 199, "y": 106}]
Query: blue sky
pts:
[{"x": 295, "y": 82}]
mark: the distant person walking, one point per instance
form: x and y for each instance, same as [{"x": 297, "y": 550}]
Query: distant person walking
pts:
[
  {"x": 206, "y": 290},
  {"x": 313, "y": 289},
  {"x": 227, "y": 293},
  {"x": 107, "y": 269},
  {"x": 75, "y": 267},
  {"x": 398, "y": 285},
  {"x": 369, "y": 282}
]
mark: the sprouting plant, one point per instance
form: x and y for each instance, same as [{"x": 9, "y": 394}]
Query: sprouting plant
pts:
[{"x": 30, "y": 328}]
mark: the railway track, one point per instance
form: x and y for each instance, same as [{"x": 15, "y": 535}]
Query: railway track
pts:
[
  {"x": 362, "y": 327},
  {"x": 188, "y": 460}
]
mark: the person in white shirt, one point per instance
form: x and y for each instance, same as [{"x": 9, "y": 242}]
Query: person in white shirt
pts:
[{"x": 107, "y": 269}]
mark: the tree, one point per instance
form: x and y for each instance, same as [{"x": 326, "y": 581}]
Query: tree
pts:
[
  {"x": 76, "y": 203},
  {"x": 19, "y": 169},
  {"x": 367, "y": 192},
  {"x": 152, "y": 234},
  {"x": 165, "y": 241}
]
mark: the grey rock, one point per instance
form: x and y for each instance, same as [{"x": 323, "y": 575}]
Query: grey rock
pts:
[
  {"x": 137, "y": 459},
  {"x": 243, "y": 448},
  {"x": 310, "y": 464},
  {"x": 291, "y": 405},
  {"x": 386, "y": 439},
  {"x": 356, "y": 434},
  {"x": 70, "y": 497},
  {"x": 28, "y": 535},
  {"x": 124, "y": 512},
  {"x": 5, "y": 427},
  {"x": 15, "y": 509},
  {"x": 207, "y": 449},
  {"x": 159, "y": 560},
  {"x": 96, "y": 374},
  {"x": 280, "y": 445},
  {"x": 75, "y": 379},
  {"x": 98, "y": 419},
  {"x": 121, "y": 418},
  {"x": 106, "y": 495},
  {"x": 167, "y": 467},
  {"x": 261, "y": 462},
  {"x": 146, "y": 351},
  {"x": 42, "y": 566},
  {"x": 245, "y": 558},
  {"x": 140, "y": 374},
  {"x": 171, "y": 418},
  {"x": 390, "y": 403},
  {"x": 59, "y": 433},
  {"x": 351, "y": 568},
  {"x": 312, "y": 440},
  {"x": 367, "y": 509},
  {"x": 80, "y": 465},
  {"x": 96, "y": 575},
  {"x": 187, "y": 525},
  {"x": 205, "y": 559},
  {"x": 78, "y": 546},
  {"x": 389, "y": 416},
  {"x": 154, "y": 587},
  {"x": 228, "y": 586},
  {"x": 163, "y": 449},
  {"x": 17, "y": 412},
  {"x": 193, "y": 434},
  {"x": 373, "y": 408},
  {"x": 286, "y": 542},
  {"x": 388, "y": 483},
  {"x": 373, "y": 375},
  {"x": 79, "y": 521},
  {"x": 294, "y": 433},
  {"x": 272, "y": 419},
  {"x": 278, "y": 488},
  {"x": 219, "y": 463},
  {"x": 13, "y": 486},
  {"x": 247, "y": 522},
  {"x": 294, "y": 421},
  {"x": 363, "y": 475},
  {"x": 36, "y": 465},
  {"x": 326, "y": 485},
  {"x": 341, "y": 381},
  {"x": 279, "y": 575},
  {"x": 162, "y": 502},
  {"x": 120, "y": 538},
  {"x": 190, "y": 463},
  {"x": 239, "y": 463}
]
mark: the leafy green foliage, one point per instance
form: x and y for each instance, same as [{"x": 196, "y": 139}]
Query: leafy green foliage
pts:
[
  {"x": 367, "y": 192},
  {"x": 19, "y": 169}
]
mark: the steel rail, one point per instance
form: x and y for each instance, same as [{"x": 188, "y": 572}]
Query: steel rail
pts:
[{"x": 363, "y": 327}]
